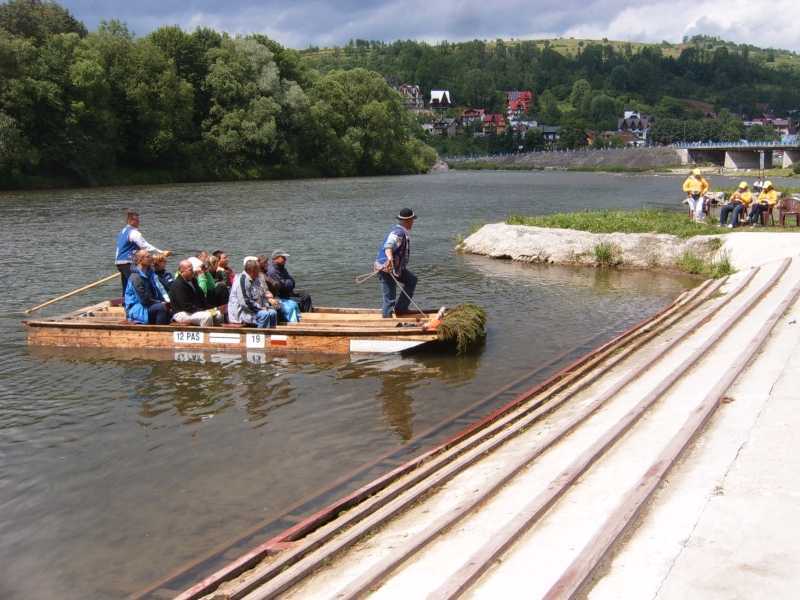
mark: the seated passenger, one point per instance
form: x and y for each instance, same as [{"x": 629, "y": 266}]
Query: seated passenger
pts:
[
  {"x": 737, "y": 206},
  {"x": 767, "y": 200},
  {"x": 247, "y": 303},
  {"x": 205, "y": 281},
  {"x": 224, "y": 267},
  {"x": 144, "y": 302},
  {"x": 284, "y": 282},
  {"x": 221, "y": 290},
  {"x": 188, "y": 300},
  {"x": 160, "y": 268},
  {"x": 288, "y": 311}
]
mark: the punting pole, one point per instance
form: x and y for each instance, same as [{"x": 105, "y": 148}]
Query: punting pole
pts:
[{"x": 72, "y": 293}]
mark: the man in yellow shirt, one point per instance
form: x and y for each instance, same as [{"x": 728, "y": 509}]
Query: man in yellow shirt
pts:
[
  {"x": 695, "y": 187},
  {"x": 738, "y": 203},
  {"x": 767, "y": 200}
]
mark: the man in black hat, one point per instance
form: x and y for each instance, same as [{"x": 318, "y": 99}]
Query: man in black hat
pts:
[{"x": 392, "y": 262}]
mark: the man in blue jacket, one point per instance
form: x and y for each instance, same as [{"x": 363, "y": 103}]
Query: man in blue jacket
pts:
[
  {"x": 392, "y": 262},
  {"x": 130, "y": 241},
  {"x": 144, "y": 302}
]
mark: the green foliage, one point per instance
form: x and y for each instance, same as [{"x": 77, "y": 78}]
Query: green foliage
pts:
[
  {"x": 607, "y": 254},
  {"x": 608, "y": 221},
  {"x": 707, "y": 267},
  {"x": 464, "y": 326},
  {"x": 88, "y": 107}
]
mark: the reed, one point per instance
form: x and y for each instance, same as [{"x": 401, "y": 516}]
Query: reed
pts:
[{"x": 464, "y": 326}]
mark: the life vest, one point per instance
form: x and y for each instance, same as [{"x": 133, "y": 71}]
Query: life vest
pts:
[
  {"x": 401, "y": 253},
  {"x": 125, "y": 247}
]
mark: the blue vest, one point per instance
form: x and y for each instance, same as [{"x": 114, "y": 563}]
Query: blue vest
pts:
[
  {"x": 401, "y": 253},
  {"x": 125, "y": 247}
]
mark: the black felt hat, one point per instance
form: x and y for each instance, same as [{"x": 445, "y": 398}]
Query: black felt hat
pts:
[{"x": 405, "y": 214}]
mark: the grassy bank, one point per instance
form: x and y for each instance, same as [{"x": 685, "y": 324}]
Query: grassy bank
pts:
[{"x": 619, "y": 221}]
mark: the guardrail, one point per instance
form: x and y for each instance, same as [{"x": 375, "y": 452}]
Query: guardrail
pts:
[{"x": 790, "y": 142}]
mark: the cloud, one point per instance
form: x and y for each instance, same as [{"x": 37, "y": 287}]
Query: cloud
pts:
[{"x": 299, "y": 23}]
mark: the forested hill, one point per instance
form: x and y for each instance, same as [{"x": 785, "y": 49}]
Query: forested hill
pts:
[
  {"x": 108, "y": 107},
  {"x": 742, "y": 78}
]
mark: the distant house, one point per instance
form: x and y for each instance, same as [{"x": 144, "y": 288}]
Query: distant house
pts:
[
  {"x": 637, "y": 124},
  {"x": 550, "y": 133},
  {"x": 445, "y": 127},
  {"x": 428, "y": 128},
  {"x": 781, "y": 125},
  {"x": 494, "y": 124},
  {"x": 472, "y": 115},
  {"x": 518, "y": 103},
  {"x": 412, "y": 96},
  {"x": 441, "y": 99}
]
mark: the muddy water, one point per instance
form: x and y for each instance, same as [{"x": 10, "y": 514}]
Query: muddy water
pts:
[{"x": 116, "y": 468}]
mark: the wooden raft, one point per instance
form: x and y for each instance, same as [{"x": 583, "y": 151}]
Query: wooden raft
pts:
[{"x": 325, "y": 330}]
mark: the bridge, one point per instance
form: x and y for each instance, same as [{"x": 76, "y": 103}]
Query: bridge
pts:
[{"x": 742, "y": 155}]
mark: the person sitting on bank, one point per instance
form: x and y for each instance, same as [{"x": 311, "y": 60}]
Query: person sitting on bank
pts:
[
  {"x": 284, "y": 282},
  {"x": 767, "y": 200},
  {"x": 392, "y": 262},
  {"x": 287, "y": 311},
  {"x": 738, "y": 204},
  {"x": 129, "y": 241},
  {"x": 160, "y": 268},
  {"x": 144, "y": 302},
  {"x": 695, "y": 187},
  {"x": 224, "y": 270},
  {"x": 247, "y": 303},
  {"x": 188, "y": 301}
]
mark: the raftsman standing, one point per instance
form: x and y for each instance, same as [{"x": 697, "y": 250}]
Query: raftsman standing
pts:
[
  {"x": 392, "y": 263},
  {"x": 130, "y": 241}
]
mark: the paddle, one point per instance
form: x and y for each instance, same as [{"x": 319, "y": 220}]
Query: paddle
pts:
[{"x": 72, "y": 293}]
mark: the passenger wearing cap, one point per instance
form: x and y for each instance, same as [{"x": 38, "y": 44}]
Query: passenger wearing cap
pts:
[
  {"x": 738, "y": 205},
  {"x": 392, "y": 264},
  {"x": 767, "y": 200},
  {"x": 284, "y": 283},
  {"x": 695, "y": 187},
  {"x": 247, "y": 303}
]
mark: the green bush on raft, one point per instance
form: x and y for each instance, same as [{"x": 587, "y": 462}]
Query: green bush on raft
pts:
[{"x": 464, "y": 325}]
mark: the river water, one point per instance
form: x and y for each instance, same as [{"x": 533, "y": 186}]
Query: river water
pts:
[{"x": 118, "y": 468}]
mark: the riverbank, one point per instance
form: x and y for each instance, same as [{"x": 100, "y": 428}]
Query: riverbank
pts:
[
  {"x": 612, "y": 160},
  {"x": 629, "y": 240}
]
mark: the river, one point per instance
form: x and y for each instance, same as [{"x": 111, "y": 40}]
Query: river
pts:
[{"x": 118, "y": 468}]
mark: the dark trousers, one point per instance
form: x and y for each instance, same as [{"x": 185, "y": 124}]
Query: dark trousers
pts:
[
  {"x": 125, "y": 272},
  {"x": 159, "y": 314},
  {"x": 756, "y": 210},
  {"x": 390, "y": 301},
  {"x": 304, "y": 301},
  {"x": 726, "y": 210}
]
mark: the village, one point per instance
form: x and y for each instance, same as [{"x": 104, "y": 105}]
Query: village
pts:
[{"x": 441, "y": 116}]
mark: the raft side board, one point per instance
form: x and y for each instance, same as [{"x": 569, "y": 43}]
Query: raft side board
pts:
[{"x": 212, "y": 339}]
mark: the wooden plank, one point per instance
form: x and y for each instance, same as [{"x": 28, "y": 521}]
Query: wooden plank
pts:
[
  {"x": 283, "y": 579},
  {"x": 478, "y": 562},
  {"x": 532, "y": 397},
  {"x": 581, "y": 568}
]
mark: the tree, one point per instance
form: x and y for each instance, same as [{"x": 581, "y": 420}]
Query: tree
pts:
[
  {"x": 36, "y": 20},
  {"x": 581, "y": 96},
  {"x": 603, "y": 112},
  {"x": 549, "y": 112}
]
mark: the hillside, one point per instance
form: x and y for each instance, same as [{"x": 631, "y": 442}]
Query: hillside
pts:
[{"x": 743, "y": 78}]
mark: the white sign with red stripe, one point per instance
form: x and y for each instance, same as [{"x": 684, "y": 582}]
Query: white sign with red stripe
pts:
[{"x": 278, "y": 340}]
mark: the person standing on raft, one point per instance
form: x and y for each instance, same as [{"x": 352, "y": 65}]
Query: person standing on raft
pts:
[
  {"x": 130, "y": 241},
  {"x": 392, "y": 265}
]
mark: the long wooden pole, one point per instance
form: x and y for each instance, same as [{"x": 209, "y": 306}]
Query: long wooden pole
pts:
[{"x": 72, "y": 293}]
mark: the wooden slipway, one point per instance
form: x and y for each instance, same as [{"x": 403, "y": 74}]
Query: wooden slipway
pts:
[{"x": 325, "y": 330}]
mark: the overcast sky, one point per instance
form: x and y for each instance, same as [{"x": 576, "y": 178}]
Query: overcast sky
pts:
[{"x": 300, "y": 23}]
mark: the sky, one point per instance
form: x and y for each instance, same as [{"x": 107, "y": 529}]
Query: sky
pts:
[{"x": 303, "y": 23}]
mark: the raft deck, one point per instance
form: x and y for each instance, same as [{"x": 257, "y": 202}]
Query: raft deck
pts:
[{"x": 325, "y": 330}]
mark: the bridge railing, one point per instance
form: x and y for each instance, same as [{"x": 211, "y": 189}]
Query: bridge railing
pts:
[{"x": 788, "y": 141}]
